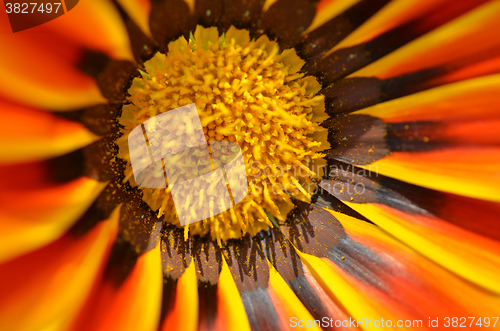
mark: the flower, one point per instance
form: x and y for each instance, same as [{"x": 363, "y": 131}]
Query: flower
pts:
[{"x": 389, "y": 108}]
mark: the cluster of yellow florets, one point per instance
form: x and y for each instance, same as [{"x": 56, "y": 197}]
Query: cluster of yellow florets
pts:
[{"x": 247, "y": 92}]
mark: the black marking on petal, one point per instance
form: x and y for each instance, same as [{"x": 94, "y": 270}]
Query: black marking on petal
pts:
[
  {"x": 87, "y": 221},
  {"x": 66, "y": 167},
  {"x": 280, "y": 252},
  {"x": 207, "y": 303},
  {"x": 357, "y": 139},
  {"x": 286, "y": 20},
  {"x": 116, "y": 79},
  {"x": 243, "y": 14},
  {"x": 208, "y": 12},
  {"x": 140, "y": 228},
  {"x": 417, "y": 136},
  {"x": 169, "y": 297},
  {"x": 101, "y": 119},
  {"x": 117, "y": 192},
  {"x": 312, "y": 229},
  {"x": 247, "y": 263},
  {"x": 142, "y": 46},
  {"x": 361, "y": 263},
  {"x": 92, "y": 62},
  {"x": 170, "y": 19},
  {"x": 101, "y": 162},
  {"x": 319, "y": 41},
  {"x": 282, "y": 255},
  {"x": 260, "y": 310},
  {"x": 112, "y": 76},
  {"x": 250, "y": 270},
  {"x": 175, "y": 252},
  {"x": 121, "y": 262},
  {"x": 207, "y": 259},
  {"x": 350, "y": 94}
]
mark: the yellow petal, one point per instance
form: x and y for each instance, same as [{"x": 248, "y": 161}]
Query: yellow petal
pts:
[
  {"x": 139, "y": 11},
  {"x": 476, "y": 263},
  {"x": 31, "y": 134},
  {"x": 230, "y": 302},
  {"x": 184, "y": 315},
  {"x": 30, "y": 219},
  {"x": 45, "y": 289},
  {"x": 466, "y": 36}
]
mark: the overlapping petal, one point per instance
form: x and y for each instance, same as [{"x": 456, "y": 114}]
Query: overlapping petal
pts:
[
  {"x": 388, "y": 253},
  {"x": 130, "y": 304},
  {"x": 450, "y": 162},
  {"x": 68, "y": 267},
  {"x": 32, "y": 134},
  {"x": 31, "y": 218}
]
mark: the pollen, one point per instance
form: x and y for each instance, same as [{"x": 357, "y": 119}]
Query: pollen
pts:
[{"x": 246, "y": 91}]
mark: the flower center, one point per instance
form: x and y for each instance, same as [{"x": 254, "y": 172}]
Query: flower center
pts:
[{"x": 247, "y": 92}]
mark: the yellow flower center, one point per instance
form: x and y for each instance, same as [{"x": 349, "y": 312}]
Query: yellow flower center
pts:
[{"x": 245, "y": 91}]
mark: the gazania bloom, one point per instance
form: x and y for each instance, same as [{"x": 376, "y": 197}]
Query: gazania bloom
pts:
[{"x": 369, "y": 132}]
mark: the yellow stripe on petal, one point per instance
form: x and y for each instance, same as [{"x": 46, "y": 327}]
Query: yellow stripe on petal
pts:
[
  {"x": 137, "y": 304},
  {"x": 287, "y": 302},
  {"x": 471, "y": 172},
  {"x": 357, "y": 304},
  {"x": 30, "y": 219},
  {"x": 475, "y": 98},
  {"x": 327, "y": 10},
  {"x": 466, "y": 36},
  {"x": 139, "y": 11},
  {"x": 184, "y": 315},
  {"x": 39, "y": 68},
  {"x": 96, "y": 25},
  {"x": 32, "y": 135},
  {"x": 230, "y": 303},
  {"x": 476, "y": 264},
  {"x": 467, "y": 299},
  {"x": 47, "y": 288},
  {"x": 393, "y": 14}
]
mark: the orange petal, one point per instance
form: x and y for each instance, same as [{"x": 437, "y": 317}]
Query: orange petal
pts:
[
  {"x": 229, "y": 304},
  {"x": 415, "y": 282},
  {"x": 289, "y": 308},
  {"x": 28, "y": 176},
  {"x": 465, "y": 37},
  {"x": 31, "y": 134},
  {"x": 474, "y": 99},
  {"x": 468, "y": 255},
  {"x": 30, "y": 219},
  {"x": 471, "y": 172},
  {"x": 89, "y": 19},
  {"x": 39, "y": 69},
  {"x": 139, "y": 11},
  {"x": 328, "y": 9},
  {"x": 46, "y": 288},
  {"x": 346, "y": 290},
  {"x": 184, "y": 315},
  {"x": 134, "y": 304},
  {"x": 392, "y": 15}
]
